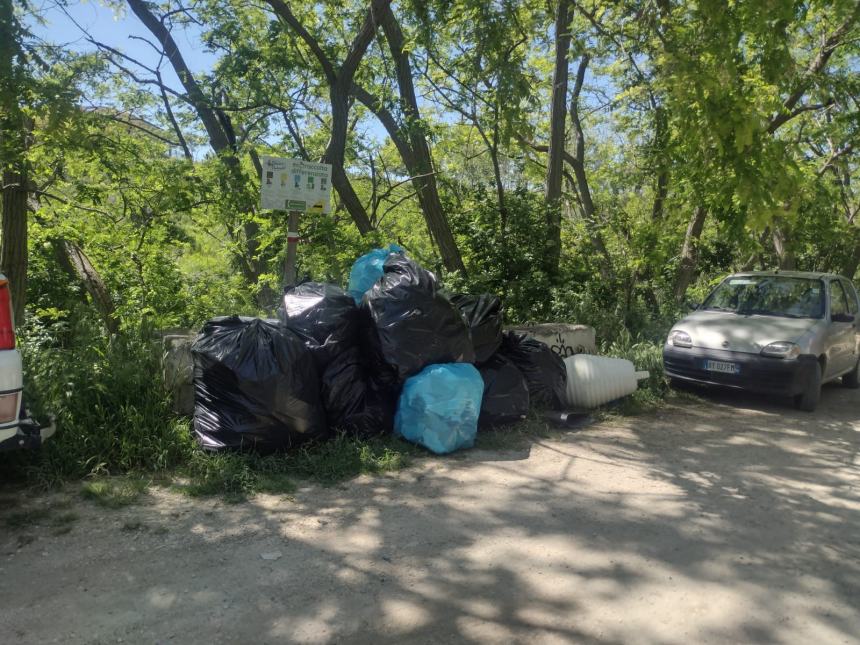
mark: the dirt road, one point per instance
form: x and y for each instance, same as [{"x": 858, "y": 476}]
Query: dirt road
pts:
[{"x": 730, "y": 521}]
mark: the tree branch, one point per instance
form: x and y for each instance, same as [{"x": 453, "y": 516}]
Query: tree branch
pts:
[{"x": 818, "y": 63}]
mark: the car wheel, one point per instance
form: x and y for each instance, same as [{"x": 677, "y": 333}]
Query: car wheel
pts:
[
  {"x": 852, "y": 378},
  {"x": 811, "y": 395}
]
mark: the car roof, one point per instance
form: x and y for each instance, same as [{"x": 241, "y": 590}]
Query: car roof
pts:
[{"x": 819, "y": 275}]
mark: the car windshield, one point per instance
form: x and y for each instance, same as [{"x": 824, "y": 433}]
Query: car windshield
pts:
[{"x": 769, "y": 296}]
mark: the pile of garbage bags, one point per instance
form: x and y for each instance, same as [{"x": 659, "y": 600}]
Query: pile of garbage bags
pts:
[{"x": 393, "y": 353}]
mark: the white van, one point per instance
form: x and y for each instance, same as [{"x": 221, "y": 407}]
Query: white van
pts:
[{"x": 17, "y": 428}]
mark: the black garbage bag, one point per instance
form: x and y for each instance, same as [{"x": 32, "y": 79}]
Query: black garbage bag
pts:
[
  {"x": 324, "y": 316},
  {"x": 352, "y": 401},
  {"x": 543, "y": 369},
  {"x": 255, "y": 386},
  {"x": 506, "y": 393},
  {"x": 483, "y": 314},
  {"x": 409, "y": 324}
]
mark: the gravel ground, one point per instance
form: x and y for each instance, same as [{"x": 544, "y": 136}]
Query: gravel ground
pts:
[{"x": 731, "y": 520}]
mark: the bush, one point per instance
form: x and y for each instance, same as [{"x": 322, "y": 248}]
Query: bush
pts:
[
  {"x": 645, "y": 355},
  {"x": 112, "y": 410}
]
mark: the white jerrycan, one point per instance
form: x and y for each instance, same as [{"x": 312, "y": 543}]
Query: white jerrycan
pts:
[{"x": 595, "y": 380}]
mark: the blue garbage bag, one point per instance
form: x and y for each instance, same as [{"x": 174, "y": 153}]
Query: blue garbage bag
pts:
[
  {"x": 439, "y": 407},
  {"x": 367, "y": 269}
]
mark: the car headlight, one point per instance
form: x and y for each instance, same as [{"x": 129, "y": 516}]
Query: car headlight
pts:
[
  {"x": 680, "y": 338},
  {"x": 781, "y": 349}
]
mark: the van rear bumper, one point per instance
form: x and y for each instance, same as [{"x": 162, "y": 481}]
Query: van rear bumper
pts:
[
  {"x": 756, "y": 373},
  {"x": 29, "y": 434}
]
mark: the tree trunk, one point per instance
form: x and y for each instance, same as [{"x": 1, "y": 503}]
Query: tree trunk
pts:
[
  {"x": 577, "y": 162},
  {"x": 335, "y": 154},
  {"x": 77, "y": 265},
  {"x": 340, "y": 82},
  {"x": 13, "y": 253},
  {"x": 555, "y": 156},
  {"x": 661, "y": 186},
  {"x": 423, "y": 171},
  {"x": 690, "y": 252},
  {"x": 849, "y": 269},
  {"x": 220, "y": 138},
  {"x": 782, "y": 244}
]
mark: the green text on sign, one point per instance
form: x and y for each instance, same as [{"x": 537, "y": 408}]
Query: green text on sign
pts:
[{"x": 297, "y": 206}]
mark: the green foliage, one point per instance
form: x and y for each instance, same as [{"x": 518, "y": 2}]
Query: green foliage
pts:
[
  {"x": 237, "y": 475},
  {"x": 115, "y": 492},
  {"x": 344, "y": 458},
  {"x": 746, "y": 110},
  {"x": 112, "y": 411},
  {"x": 646, "y": 355},
  {"x": 505, "y": 261}
]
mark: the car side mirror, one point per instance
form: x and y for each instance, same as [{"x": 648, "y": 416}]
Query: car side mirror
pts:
[
  {"x": 842, "y": 318},
  {"x": 692, "y": 305}
]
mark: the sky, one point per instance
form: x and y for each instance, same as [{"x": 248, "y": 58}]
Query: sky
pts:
[
  {"x": 66, "y": 26},
  {"x": 68, "y": 22},
  {"x": 117, "y": 26}
]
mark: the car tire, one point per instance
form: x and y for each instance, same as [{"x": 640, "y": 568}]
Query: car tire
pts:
[
  {"x": 851, "y": 380},
  {"x": 811, "y": 395}
]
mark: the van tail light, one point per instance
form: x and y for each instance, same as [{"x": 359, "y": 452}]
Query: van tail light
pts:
[
  {"x": 7, "y": 328},
  {"x": 9, "y": 406}
]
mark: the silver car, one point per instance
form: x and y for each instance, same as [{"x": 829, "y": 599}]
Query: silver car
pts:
[{"x": 775, "y": 332}]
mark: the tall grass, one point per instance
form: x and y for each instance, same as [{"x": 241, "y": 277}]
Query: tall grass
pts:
[
  {"x": 112, "y": 411},
  {"x": 646, "y": 355}
]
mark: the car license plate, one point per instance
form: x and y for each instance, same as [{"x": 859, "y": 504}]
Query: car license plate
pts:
[{"x": 724, "y": 367}]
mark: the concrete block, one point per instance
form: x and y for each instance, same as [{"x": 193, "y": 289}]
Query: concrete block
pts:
[
  {"x": 178, "y": 368},
  {"x": 563, "y": 338}
]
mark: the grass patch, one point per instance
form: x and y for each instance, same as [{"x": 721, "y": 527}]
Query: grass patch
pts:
[
  {"x": 114, "y": 493},
  {"x": 235, "y": 476},
  {"x": 344, "y": 458},
  {"x": 27, "y": 518},
  {"x": 516, "y": 436},
  {"x": 112, "y": 410},
  {"x": 65, "y": 519},
  {"x": 61, "y": 522}
]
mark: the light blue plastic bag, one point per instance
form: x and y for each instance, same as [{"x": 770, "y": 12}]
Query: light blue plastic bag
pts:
[
  {"x": 439, "y": 407},
  {"x": 367, "y": 269}
]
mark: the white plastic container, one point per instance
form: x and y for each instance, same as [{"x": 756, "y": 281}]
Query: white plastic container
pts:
[{"x": 595, "y": 380}]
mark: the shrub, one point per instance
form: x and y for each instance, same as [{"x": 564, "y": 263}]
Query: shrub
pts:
[{"x": 112, "y": 410}]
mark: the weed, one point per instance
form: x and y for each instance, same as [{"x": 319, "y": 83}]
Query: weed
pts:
[
  {"x": 43, "y": 515},
  {"x": 516, "y": 436},
  {"x": 29, "y": 517},
  {"x": 114, "y": 493},
  {"x": 133, "y": 525},
  {"x": 345, "y": 457},
  {"x": 646, "y": 356},
  {"x": 64, "y": 519},
  {"x": 112, "y": 409},
  {"x": 234, "y": 476}
]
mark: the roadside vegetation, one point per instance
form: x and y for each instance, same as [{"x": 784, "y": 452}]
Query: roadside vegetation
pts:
[{"x": 602, "y": 163}]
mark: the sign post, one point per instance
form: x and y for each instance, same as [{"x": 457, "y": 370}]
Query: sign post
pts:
[
  {"x": 292, "y": 246},
  {"x": 298, "y": 187}
]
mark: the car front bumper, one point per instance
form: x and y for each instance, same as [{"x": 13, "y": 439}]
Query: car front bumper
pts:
[{"x": 756, "y": 373}]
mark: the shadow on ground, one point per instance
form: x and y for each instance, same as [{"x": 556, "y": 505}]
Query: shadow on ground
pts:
[{"x": 732, "y": 520}]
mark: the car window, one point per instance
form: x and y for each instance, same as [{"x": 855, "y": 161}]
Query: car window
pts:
[
  {"x": 851, "y": 293},
  {"x": 838, "y": 302},
  {"x": 770, "y": 295}
]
